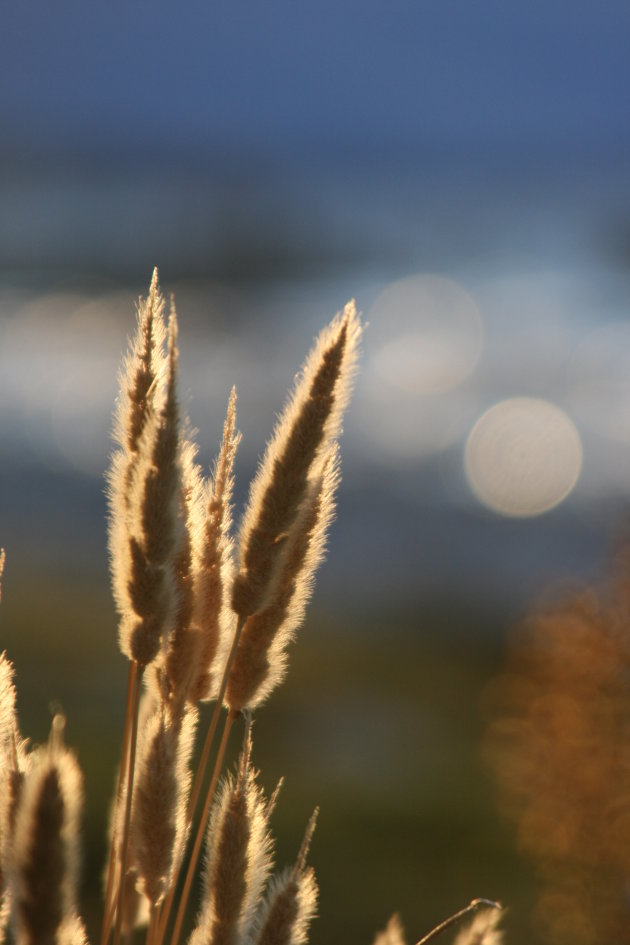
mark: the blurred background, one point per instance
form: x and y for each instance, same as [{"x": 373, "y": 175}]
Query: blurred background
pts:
[{"x": 463, "y": 171}]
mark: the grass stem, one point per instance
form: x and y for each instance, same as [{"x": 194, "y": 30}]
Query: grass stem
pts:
[
  {"x": 201, "y": 829},
  {"x": 201, "y": 771},
  {"x": 133, "y": 738},
  {"x": 111, "y": 865},
  {"x": 446, "y": 924}
]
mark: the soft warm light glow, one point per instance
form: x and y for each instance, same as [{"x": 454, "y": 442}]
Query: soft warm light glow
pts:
[
  {"x": 431, "y": 333},
  {"x": 523, "y": 457}
]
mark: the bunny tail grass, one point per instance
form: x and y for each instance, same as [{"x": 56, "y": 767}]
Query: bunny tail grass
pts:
[
  {"x": 213, "y": 615},
  {"x": 155, "y": 524},
  {"x": 44, "y": 856},
  {"x": 260, "y": 662},
  {"x": 309, "y": 424},
  {"x": 175, "y": 675},
  {"x": 143, "y": 365},
  {"x": 199, "y": 619},
  {"x": 238, "y": 858},
  {"x": 158, "y": 826},
  {"x": 291, "y": 902},
  {"x": 8, "y": 697}
]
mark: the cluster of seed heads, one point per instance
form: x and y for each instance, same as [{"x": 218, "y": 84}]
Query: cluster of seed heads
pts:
[{"x": 206, "y": 615}]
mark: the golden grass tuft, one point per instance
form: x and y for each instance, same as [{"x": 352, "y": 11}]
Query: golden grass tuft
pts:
[
  {"x": 158, "y": 825},
  {"x": 260, "y": 661},
  {"x": 43, "y": 854},
  {"x": 238, "y": 858},
  {"x": 215, "y": 569},
  {"x": 201, "y": 617},
  {"x": 301, "y": 443}
]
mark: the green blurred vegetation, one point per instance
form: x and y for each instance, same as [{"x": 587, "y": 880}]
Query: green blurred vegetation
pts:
[{"x": 378, "y": 723}]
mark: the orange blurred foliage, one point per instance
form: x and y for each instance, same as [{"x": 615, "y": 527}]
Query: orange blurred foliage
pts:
[{"x": 558, "y": 741}]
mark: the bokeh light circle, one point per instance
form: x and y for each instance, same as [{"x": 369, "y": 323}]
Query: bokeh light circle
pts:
[
  {"x": 432, "y": 334},
  {"x": 523, "y": 457}
]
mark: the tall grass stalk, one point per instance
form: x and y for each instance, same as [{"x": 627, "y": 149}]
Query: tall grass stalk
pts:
[
  {"x": 130, "y": 767},
  {"x": 194, "y": 857},
  {"x": 202, "y": 617}
]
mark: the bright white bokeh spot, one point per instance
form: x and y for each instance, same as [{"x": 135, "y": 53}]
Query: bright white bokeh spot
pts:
[
  {"x": 59, "y": 354},
  {"x": 523, "y": 457},
  {"x": 429, "y": 334}
]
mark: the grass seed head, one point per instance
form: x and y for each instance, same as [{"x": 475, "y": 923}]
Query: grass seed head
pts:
[
  {"x": 291, "y": 901},
  {"x": 309, "y": 424},
  {"x": 238, "y": 858},
  {"x": 44, "y": 855},
  {"x": 159, "y": 801},
  {"x": 213, "y": 615},
  {"x": 261, "y": 660},
  {"x": 143, "y": 365},
  {"x": 152, "y": 533}
]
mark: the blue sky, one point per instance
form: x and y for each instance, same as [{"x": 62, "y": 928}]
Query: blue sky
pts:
[{"x": 135, "y": 79}]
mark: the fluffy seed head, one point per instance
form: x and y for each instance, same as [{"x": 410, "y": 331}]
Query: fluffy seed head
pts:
[
  {"x": 289, "y": 909},
  {"x": 155, "y": 489},
  {"x": 214, "y": 576},
  {"x": 238, "y": 859},
  {"x": 72, "y": 932},
  {"x": 309, "y": 424},
  {"x": 141, "y": 368},
  {"x": 155, "y": 530},
  {"x": 291, "y": 902},
  {"x": 260, "y": 662},
  {"x": 184, "y": 642},
  {"x": 44, "y": 857},
  {"x": 143, "y": 365},
  {"x": 159, "y": 805},
  {"x": 7, "y": 704}
]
